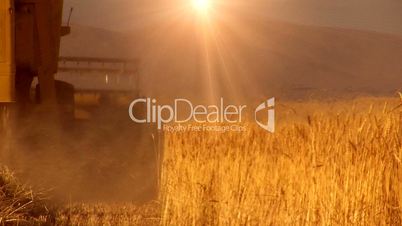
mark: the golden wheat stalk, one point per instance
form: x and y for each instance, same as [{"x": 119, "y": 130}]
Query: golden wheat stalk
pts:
[{"x": 400, "y": 105}]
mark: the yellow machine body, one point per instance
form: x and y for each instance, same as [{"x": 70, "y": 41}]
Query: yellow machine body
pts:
[
  {"x": 30, "y": 32},
  {"x": 7, "y": 59}
]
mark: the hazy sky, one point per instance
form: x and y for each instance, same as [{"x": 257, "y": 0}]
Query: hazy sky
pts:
[{"x": 377, "y": 15}]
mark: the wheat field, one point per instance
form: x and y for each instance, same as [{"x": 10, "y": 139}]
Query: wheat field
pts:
[
  {"x": 329, "y": 163},
  {"x": 339, "y": 164}
]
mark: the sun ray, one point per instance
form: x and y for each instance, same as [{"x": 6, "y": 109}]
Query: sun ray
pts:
[
  {"x": 221, "y": 67},
  {"x": 219, "y": 45}
]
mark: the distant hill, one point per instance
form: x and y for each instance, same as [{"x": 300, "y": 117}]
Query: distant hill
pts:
[
  {"x": 90, "y": 42},
  {"x": 254, "y": 59},
  {"x": 378, "y": 15}
]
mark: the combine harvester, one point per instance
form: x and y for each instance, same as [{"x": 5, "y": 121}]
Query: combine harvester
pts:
[
  {"x": 35, "y": 104},
  {"x": 30, "y": 34},
  {"x": 30, "y": 41}
]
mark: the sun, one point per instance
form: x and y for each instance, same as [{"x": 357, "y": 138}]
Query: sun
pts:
[{"x": 201, "y": 6}]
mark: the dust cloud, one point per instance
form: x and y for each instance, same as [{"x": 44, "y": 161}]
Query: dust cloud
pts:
[{"x": 104, "y": 159}]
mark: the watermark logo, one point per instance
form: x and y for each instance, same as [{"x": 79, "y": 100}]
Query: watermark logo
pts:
[
  {"x": 182, "y": 111},
  {"x": 267, "y": 106}
]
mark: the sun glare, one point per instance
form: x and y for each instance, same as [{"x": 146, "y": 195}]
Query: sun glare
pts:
[{"x": 201, "y": 6}]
